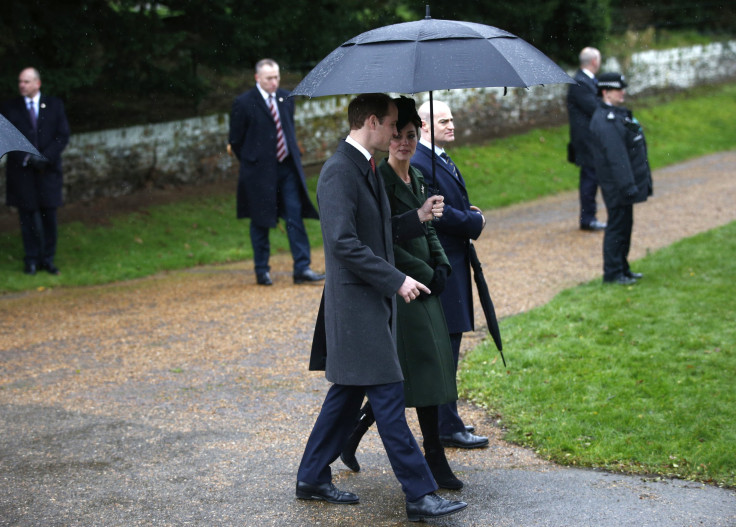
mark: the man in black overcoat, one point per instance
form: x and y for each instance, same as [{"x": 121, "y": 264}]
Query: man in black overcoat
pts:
[
  {"x": 460, "y": 223},
  {"x": 359, "y": 327},
  {"x": 271, "y": 182},
  {"x": 582, "y": 101},
  {"x": 34, "y": 184},
  {"x": 622, "y": 165}
]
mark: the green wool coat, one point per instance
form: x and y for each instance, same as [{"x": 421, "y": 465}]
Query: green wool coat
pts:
[{"x": 422, "y": 339}]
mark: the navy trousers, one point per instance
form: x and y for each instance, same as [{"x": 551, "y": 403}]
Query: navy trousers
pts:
[
  {"x": 449, "y": 418},
  {"x": 617, "y": 241},
  {"x": 39, "y": 232},
  {"x": 337, "y": 419},
  {"x": 588, "y": 189},
  {"x": 290, "y": 209}
]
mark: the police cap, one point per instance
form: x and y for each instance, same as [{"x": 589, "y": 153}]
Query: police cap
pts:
[{"x": 611, "y": 81}]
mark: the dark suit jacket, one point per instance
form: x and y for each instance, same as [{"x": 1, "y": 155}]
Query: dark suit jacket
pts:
[
  {"x": 621, "y": 162},
  {"x": 582, "y": 101},
  {"x": 455, "y": 229},
  {"x": 361, "y": 283},
  {"x": 253, "y": 140},
  {"x": 28, "y": 188}
]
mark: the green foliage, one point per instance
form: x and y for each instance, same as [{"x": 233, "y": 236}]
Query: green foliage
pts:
[{"x": 636, "y": 379}]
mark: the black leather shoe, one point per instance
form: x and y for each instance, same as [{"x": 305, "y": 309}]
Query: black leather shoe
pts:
[
  {"x": 29, "y": 268},
  {"x": 594, "y": 225},
  {"x": 308, "y": 276},
  {"x": 50, "y": 268},
  {"x": 432, "y": 506},
  {"x": 620, "y": 280},
  {"x": 470, "y": 428},
  {"x": 264, "y": 278},
  {"x": 464, "y": 439},
  {"x": 324, "y": 492},
  {"x": 635, "y": 276}
]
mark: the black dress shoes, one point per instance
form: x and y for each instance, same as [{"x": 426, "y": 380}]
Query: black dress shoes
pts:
[
  {"x": 635, "y": 276},
  {"x": 307, "y": 276},
  {"x": 264, "y": 278},
  {"x": 464, "y": 439},
  {"x": 50, "y": 268},
  {"x": 29, "y": 268},
  {"x": 470, "y": 428},
  {"x": 620, "y": 280},
  {"x": 324, "y": 492},
  {"x": 432, "y": 506},
  {"x": 594, "y": 225}
]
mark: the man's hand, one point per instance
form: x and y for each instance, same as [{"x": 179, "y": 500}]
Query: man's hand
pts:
[
  {"x": 476, "y": 209},
  {"x": 230, "y": 150},
  {"x": 431, "y": 209},
  {"x": 411, "y": 289}
]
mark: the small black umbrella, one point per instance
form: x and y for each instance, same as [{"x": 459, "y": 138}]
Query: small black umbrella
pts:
[
  {"x": 485, "y": 300},
  {"x": 12, "y": 140}
]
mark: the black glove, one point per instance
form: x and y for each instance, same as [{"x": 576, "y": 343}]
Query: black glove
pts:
[
  {"x": 439, "y": 280},
  {"x": 38, "y": 163}
]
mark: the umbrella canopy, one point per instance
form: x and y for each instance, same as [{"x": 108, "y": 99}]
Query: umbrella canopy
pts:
[
  {"x": 430, "y": 54},
  {"x": 12, "y": 140}
]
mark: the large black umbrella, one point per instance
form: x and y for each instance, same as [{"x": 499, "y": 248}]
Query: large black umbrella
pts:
[
  {"x": 430, "y": 54},
  {"x": 12, "y": 140}
]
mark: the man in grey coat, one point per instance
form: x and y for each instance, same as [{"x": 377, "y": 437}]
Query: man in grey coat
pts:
[{"x": 360, "y": 318}]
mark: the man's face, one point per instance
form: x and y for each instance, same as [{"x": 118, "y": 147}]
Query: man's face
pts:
[
  {"x": 444, "y": 126},
  {"x": 386, "y": 129},
  {"x": 615, "y": 97},
  {"x": 28, "y": 83},
  {"x": 268, "y": 78}
]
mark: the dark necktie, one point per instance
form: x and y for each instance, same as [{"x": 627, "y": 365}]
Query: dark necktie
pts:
[
  {"x": 280, "y": 141},
  {"x": 32, "y": 114},
  {"x": 373, "y": 165},
  {"x": 449, "y": 163}
]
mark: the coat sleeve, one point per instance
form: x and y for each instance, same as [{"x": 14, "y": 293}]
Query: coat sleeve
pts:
[
  {"x": 339, "y": 200},
  {"x": 52, "y": 151},
  {"x": 238, "y": 126},
  {"x": 584, "y": 99}
]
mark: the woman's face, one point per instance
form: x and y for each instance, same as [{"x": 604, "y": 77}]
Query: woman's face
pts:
[{"x": 404, "y": 144}]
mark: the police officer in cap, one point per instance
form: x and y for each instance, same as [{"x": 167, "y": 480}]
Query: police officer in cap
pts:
[{"x": 623, "y": 172}]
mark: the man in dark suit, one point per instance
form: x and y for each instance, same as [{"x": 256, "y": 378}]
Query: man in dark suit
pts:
[
  {"x": 271, "y": 183},
  {"x": 460, "y": 223},
  {"x": 360, "y": 318},
  {"x": 582, "y": 101},
  {"x": 34, "y": 184}
]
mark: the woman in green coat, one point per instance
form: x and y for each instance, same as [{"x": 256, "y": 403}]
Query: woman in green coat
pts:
[{"x": 423, "y": 342}]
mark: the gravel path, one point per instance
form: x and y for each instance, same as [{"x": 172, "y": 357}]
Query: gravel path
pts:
[{"x": 183, "y": 399}]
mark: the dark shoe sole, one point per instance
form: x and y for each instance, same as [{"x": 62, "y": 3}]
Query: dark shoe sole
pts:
[
  {"x": 316, "y": 497},
  {"x": 456, "y": 444},
  {"x": 421, "y": 517}
]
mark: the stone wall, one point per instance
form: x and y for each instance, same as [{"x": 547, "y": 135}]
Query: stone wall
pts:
[{"x": 192, "y": 152}]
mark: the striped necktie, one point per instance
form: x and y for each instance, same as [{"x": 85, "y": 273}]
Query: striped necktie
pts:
[
  {"x": 449, "y": 163},
  {"x": 280, "y": 140}
]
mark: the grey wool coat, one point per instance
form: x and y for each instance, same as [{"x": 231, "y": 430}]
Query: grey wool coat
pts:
[
  {"x": 361, "y": 282},
  {"x": 422, "y": 339}
]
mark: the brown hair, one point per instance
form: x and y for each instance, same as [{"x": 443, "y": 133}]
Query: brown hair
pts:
[{"x": 365, "y": 105}]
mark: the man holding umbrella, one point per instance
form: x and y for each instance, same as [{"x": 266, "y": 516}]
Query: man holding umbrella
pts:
[
  {"x": 34, "y": 184},
  {"x": 360, "y": 318},
  {"x": 460, "y": 223}
]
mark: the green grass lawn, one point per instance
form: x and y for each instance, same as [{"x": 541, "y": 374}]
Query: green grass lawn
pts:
[
  {"x": 498, "y": 173},
  {"x": 637, "y": 379}
]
